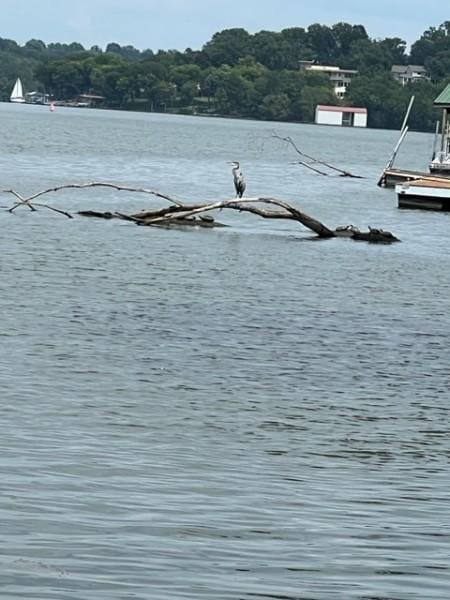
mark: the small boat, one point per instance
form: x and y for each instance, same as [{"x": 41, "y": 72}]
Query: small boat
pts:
[
  {"x": 426, "y": 194},
  {"x": 441, "y": 164},
  {"x": 17, "y": 92}
]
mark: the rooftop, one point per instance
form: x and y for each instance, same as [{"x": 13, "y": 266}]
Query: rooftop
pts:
[
  {"x": 408, "y": 69},
  {"x": 329, "y": 69},
  {"x": 343, "y": 109},
  {"x": 444, "y": 98}
]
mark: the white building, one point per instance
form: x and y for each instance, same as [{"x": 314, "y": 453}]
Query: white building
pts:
[
  {"x": 340, "y": 78},
  {"x": 349, "y": 116}
]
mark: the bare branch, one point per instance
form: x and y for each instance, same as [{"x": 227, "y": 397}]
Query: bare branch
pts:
[
  {"x": 13, "y": 208},
  {"x": 21, "y": 199},
  {"x": 114, "y": 186},
  {"x": 16, "y": 194},
  {"x": 291, "y": 142},
  {"x": 62, "y": 212},
  {"x": 305, "y": 164},
  {"x": 29, "y": 201}
]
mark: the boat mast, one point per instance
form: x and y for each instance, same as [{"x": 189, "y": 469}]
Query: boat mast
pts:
[
  {"x": 435, "y": 141},
  {"x": 444, "y": 136}
]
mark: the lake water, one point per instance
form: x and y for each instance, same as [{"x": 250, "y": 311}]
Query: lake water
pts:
[{"x": 241, "y": 413}]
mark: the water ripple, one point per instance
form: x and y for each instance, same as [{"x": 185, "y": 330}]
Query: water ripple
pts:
[{"x": 226, "y": 415}]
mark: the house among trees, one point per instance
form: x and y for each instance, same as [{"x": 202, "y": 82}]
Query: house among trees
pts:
[
  {"x": 340, "y": 78},
  {"x": 409, "y": 73}
]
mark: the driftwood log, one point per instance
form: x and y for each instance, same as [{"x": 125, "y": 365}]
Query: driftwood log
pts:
[
  {"x": 179, "y": 214},
  {"x": 193, "y": 215}
]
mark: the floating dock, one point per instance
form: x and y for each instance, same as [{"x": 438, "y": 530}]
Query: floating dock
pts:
[
  {"x": 392, "y": 177},
  {"x": 425, "y": 194}
]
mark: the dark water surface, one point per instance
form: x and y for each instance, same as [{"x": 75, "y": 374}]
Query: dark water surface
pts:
[{"x": 236, "y": 414}]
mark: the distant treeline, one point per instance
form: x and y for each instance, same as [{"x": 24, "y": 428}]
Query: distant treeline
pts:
[{"x": 240, "y": 74}]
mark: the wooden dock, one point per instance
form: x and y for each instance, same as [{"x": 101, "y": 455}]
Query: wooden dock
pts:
[{"x": 393, "y": 177}]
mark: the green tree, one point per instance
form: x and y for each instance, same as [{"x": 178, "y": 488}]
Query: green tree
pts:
[
  {"x": 304, "y": 108},
  {"x": 270, "y": 49},
  {"x": 163, "y": 95},
  {"x": 370, "y": 57},
  {"x": 57, "y": 50},
  {"x": 188, "y": 91},
  {"x": 227, "y": 47},
  {"x": 234, "y": 93},
  {"x": 127, "y": 52},
  {"x": 210, "y": 82},
  {"x": 432, "y": 42},
  {"x": 345, "y": 35},
  {"x": 275, "y": 107},
  {"x": 297, "y": 46},
  {"x": 322, "y": 42},
  {"x": 185, "y": 74},
  {"x": 35, "y": 48},
  {"x": 384, "y": 98},
  {"x": 396, "y": 50},
  {"x": 9, "y": 46},
  {"x": 424, "y": 115}
]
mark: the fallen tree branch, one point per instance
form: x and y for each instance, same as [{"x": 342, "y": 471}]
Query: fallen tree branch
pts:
[
  {"x": 177, "y": 214},
  {"x": 242, "y": 205},
  {"x": 305, "y": 164},
  {"x": 291, "y": 142},
  {"x": 194, "y": 214}
]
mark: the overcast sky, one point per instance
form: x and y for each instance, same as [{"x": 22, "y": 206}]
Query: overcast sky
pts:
[{"x": 179, "y": 24}]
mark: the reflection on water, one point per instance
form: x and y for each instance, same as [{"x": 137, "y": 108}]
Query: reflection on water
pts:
[{"x": 218, "y": 414}]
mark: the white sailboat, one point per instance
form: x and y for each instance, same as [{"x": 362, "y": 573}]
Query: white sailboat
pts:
[{"x": 17, "y": 92}]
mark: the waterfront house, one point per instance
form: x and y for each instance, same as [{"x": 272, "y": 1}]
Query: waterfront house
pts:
[
  {"x": 340, "y": 78},
  {"x": 409, "y": 73}
]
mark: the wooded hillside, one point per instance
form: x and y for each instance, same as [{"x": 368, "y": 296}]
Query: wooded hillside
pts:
[{"x": 240, "y": 74}]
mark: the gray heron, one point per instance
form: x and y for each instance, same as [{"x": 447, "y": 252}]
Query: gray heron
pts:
[{"x": 239, "y": 181}]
